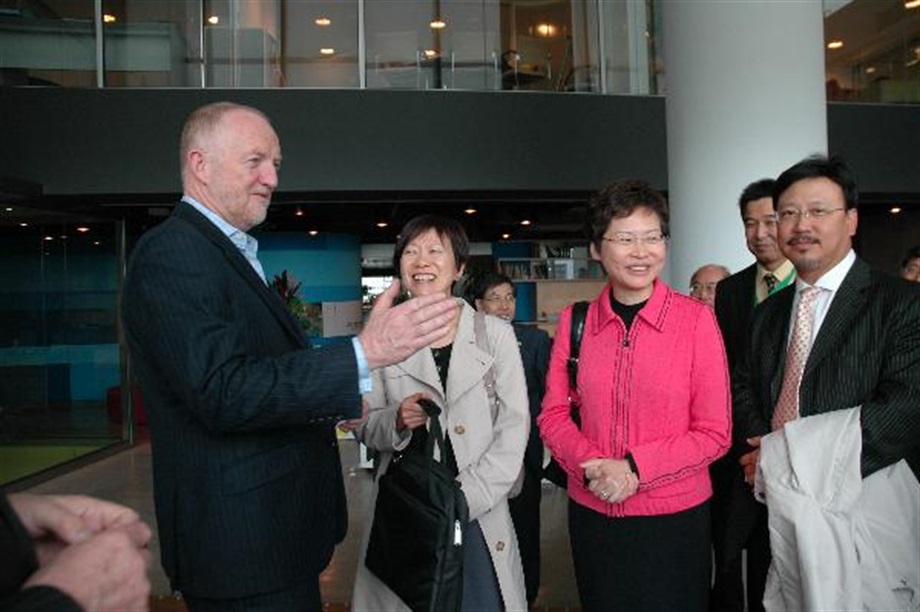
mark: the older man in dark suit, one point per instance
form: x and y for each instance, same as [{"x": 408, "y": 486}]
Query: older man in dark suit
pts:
[
  {"x": 739, "y": 521},
  {"x": 844, "y": 335},
  {"x": 247, "y": 482}
]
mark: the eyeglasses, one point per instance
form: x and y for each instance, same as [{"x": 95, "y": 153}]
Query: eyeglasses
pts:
[
  {"x": 628, "y": 239},
  {"x": 498, "y": 299},
  {"x": 700, "y": 287},
  {"x": 789, "y": 216}
]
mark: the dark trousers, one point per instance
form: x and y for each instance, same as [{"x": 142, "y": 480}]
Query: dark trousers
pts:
[
  {"x": 739, "y": 522},
  {"x": 304, "y": 597},
  {"x": 525, "y": 512},
  {"x": 641, "y": 563},
  {"x": 481, "y": 592}
]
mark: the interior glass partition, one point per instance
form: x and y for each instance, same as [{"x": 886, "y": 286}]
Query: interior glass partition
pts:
[{"x": 60, "y": 364}]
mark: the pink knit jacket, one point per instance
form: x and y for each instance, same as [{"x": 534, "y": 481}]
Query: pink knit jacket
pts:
[{"x": 660, "y": 394}]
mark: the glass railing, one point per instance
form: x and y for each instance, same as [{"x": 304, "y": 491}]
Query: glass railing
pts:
[{"x": 595, "y": 46}]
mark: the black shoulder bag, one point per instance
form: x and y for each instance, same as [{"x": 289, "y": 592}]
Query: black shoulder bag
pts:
[
  {"x": 553, "y": 472},
  {"x": 416, "y": 540}
]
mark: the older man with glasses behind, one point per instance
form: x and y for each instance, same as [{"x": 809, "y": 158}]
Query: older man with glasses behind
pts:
[{"x": 838, "y": 349}]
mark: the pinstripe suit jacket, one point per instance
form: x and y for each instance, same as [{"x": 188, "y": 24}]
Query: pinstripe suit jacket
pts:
[
  {"x": 866, "y": 353},
  {"x": 247, "y": 481}
]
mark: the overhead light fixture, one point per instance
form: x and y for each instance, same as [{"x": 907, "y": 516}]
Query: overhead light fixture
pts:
[
  {"x": 9, "y": 209},
  {"x": 97, "y": 242},
  {"x": 894, "y": 210},
  {"x": 49, "y": 238},
  {"x": 430, "y": 53},
  {"x": 326, "y": 51},
  {"x": 438, "y": 24},
  {"x": 82, "y": 229},
  {"x": 871, "y": 69},
  {"x": 546, "y": 30},
  {"x": 911, "y": 4},
  {"x": 23, "y": 224},
  {"x": 109, "y": 18},
  {"x": 213, "y": 19},
  {"x": 835, "y": 44},
  {"x": 322, "y": 21},
  {"x": 525, "y": 222},
  {"x": 382, "y": 224},
  {"x": 470, "y": 211},
  {"x": 298, "y": 212},
  {"x": 313, "y": 232},
  {"x": 506, "y": 236}
]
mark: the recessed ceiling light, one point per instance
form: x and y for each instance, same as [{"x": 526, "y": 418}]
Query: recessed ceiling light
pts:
[
  {"x": 9, "y": 209},
  {"x": 470, "y": 211},
  {"x": 49, "y": 238},
  {"x": 322, "y": 21},
  {"x": 298, "y": 212},
  {"x": 835, "y": 44},
  {"x": 506, "y": 236},
  {"x": 82, "y": 229},
  {"x": 870, "y": 70},
  {"x": 911, "y": 4},
  {"x": 894, "y": 210},
  {"x": 97, "y": 242},
  {"x": 326, "y": 51},
  {"x": 313, "y": 232},
  {"x": 525, "y": 222},
  {"x": 546, "y": 30},
  {"x": 23, "y": 224},
  {"x": 438, "y": 24},
  {"x": 382, "y": 224},
  {"x": 430, "y": 53},
  {"x": 108, "y": 18},
  {"x": 213, "y": 19}
]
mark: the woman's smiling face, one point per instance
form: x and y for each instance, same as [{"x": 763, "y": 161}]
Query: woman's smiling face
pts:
[{"x": 427, "y": 265}]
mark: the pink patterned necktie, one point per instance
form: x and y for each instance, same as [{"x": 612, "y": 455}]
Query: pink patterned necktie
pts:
[{"x": 787, "y": 406}]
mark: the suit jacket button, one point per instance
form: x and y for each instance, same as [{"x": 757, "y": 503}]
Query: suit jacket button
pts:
[
  {"x": 500, "y": 546},
  {"x": 459, "y": 430}
]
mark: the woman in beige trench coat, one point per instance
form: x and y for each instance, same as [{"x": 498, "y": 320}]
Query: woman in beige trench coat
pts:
[{"x": 487, "y": 441}]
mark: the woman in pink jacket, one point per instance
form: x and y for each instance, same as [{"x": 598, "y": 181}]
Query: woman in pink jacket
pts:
[{"x": 655, "y": 412}]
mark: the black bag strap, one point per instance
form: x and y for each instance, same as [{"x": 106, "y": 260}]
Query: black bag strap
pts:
[
  {"x": 435, "y": 435},
  {"x": 577, "y": 330},
  {"x": 579, "y": 315}
]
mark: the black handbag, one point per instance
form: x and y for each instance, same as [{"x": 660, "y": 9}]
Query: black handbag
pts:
[
  {"x": 553, "y": 472},
  {"x": 416, "y": 539}
]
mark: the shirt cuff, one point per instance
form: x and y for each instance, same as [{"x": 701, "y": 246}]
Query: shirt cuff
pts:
[{"x": 365, "y": 385}]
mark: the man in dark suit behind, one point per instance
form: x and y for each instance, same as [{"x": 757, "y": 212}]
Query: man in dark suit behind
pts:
[
  {"x": 494, "y": 294},
  {"x": 865, "y": 335},
  {"x": 738, "y": 520},
  {"x": 247, "y": 482}
]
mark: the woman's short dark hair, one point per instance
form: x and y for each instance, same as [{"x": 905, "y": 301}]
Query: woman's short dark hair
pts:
[
  {"x": 620, "y": 199},
  {"x": 819, "y": 166},
  {"x": 445, "y": 228}
]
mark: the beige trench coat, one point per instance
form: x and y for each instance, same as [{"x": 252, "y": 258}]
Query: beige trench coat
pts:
[{"x": 489, "y": 455}]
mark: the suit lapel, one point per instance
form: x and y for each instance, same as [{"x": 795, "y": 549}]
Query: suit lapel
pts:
[
  {"x": 242, "y": 267},
  {"x": 421, "y": 367},
  {"x": 839, "y": 320},
  {"x": 774, "y": 348}
]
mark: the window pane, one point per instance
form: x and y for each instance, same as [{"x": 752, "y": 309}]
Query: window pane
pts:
[
  {"x": 49, "y": 43},
  {"x": 152, "y": 44},
  {"x": 320, "y": 43}
]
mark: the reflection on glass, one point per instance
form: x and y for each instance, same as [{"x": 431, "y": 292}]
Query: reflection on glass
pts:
[
  {"x": 47, "y": 44},
  {"x": 879, "y": 56},
  {"x": 320, "y": 43},
  {"x": 59, "y": 354}
]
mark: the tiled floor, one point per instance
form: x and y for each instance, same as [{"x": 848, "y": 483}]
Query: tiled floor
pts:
[{"x": 127, "y": 478}]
